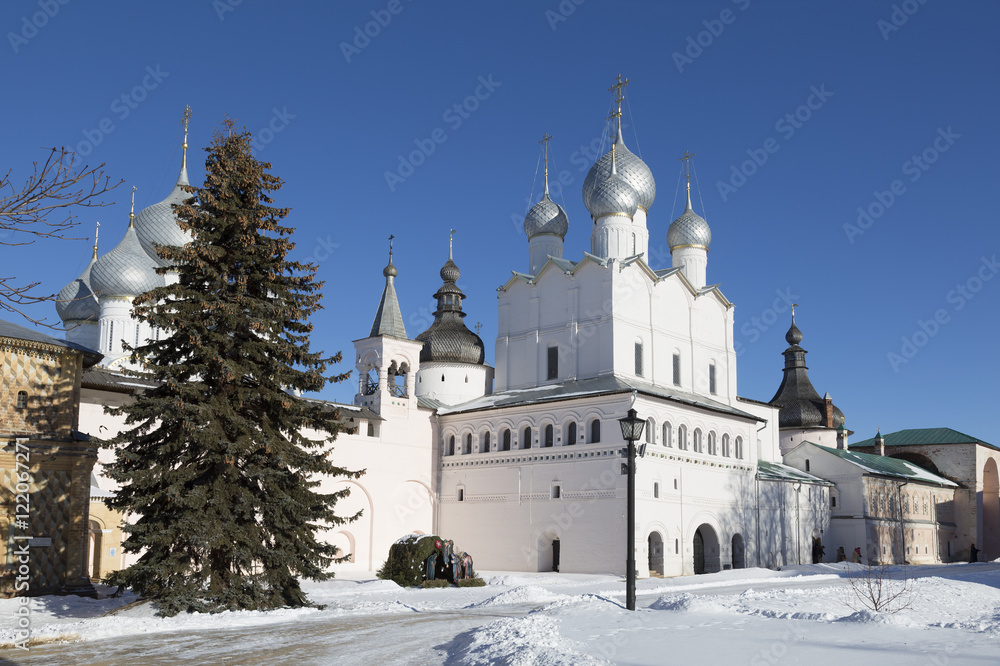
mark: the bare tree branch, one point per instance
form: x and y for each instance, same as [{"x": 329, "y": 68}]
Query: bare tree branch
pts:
[{"x": 43, "y": 208}]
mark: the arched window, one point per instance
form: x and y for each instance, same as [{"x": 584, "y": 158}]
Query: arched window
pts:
[
  {"x": 468, "y": 443},
  {"x": 725, "y": 447},
  {"x": 549, "y": 436},
  {"x": 668, "y": 435},
  {"x": 739, "y": 448},
  {"x": 697, "y": 441},
  {"x": 553, "y": 362},
  {"x": 682, "y": 438},
  {"x": 595, "y": 431},
  {"x": 451, "y": 446},
  {"x": 526, "y": 441},
  {"x": 22, "y": 399},
  {"x": 570, "y": 434},
  {"x": 807, "y": 464},
  {"x": 711, "y": 378},
  {"x": 712, "y": 449},
  {"x": 505, "y": 442},
  {"x": 638, "y": 359},
  {"x": 484, "y": 443},
  {"x": 650, "y": 433},
  {"x": 677, "y": 368}
]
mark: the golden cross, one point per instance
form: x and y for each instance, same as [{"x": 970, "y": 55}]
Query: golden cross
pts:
[{"x": 621, "y": 83}]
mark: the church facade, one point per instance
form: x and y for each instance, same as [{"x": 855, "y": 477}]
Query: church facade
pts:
[{"x": 521, "y": 464}]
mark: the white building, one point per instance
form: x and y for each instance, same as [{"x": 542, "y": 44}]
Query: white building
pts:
[{"x": 522, "y": 466}]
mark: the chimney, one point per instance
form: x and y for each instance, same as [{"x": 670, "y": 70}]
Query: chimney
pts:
[
  {"x": 828, "y": 409},
  {"x": 842, "y": 437}
]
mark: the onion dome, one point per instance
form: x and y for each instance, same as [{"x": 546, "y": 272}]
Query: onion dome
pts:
[
  {"x": 125, "y": 270},
  {"x": 689, "y": 230},
  {"x": 546, "y": 217},
  {"x": 157, "y": 224},
  {"x": 613, "y": 195},
  {"x": 630, "y": 168},
  {"x": 448, "y": 340},
  {"x": 801, "y": 405},
  {"x": 76, "y": 301}
]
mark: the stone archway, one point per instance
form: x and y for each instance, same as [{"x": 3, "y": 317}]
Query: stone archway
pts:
[
  {"x": 654, "y": 544},
  {"x": 739, "y": 552},
  {"x": 991, "y": 512},
  {"x": 706, "y": 550}
]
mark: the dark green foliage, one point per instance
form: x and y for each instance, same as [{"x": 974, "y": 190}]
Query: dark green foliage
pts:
[
  {"x": 215, "y": 462},
  {"x": 437, "y": 582},
  {"x": 405, "y": 564},
  {"x": 471, "y": 582}
]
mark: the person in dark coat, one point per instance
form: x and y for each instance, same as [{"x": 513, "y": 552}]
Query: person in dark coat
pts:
[
  {"x": 973, "y": 554},
  {"x": 841, "y": 555}
]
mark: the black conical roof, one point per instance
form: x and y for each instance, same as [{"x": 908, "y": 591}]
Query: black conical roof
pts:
[{"x": 800, "y": 403}]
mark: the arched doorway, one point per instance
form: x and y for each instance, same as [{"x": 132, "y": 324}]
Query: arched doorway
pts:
[
  {"x": 96, "y": 550},
  {"x": 706, "y": 550},
  {"x": 739, "y": 552},
  {"x": 991, "y": 512},
  {"x": 655, "y": 549}
]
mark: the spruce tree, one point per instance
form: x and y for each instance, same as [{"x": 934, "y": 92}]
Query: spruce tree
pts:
[{"x": 214, "y": 462}]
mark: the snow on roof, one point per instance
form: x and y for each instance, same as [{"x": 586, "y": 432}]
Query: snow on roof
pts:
[
  {"x": 780, "y": 472},
  {"x": 604, "y": 385},
  {"x": 886, "y": 466}
]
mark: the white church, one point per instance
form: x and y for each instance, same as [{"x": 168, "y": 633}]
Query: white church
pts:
[{"x": 521, "y": 464}]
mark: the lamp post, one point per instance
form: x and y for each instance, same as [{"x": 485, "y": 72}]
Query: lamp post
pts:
[{"x": 631, "y": 430}]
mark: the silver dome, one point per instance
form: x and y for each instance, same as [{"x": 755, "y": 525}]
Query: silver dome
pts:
[
  {"x": 689, "y": 230},
  {"x": 546, "y": 217},
  {"x": 629, "y": 167},
  {"x": 157, "y": 224},
  {"x": 76, "y": 301},
  {"x": 125, "y": 270},
  {"x": 612, "y": 196}
]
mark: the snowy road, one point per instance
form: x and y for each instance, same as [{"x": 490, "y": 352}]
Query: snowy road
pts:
[{"x": 751, "y": 616}]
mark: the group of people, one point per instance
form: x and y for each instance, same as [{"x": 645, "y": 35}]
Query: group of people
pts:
[{"x": 855, "y": 556}]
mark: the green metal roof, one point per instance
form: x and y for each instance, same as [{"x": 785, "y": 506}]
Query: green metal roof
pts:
[
  {"x": 923, "y": 436},
  {"x": 888, "y": 466}
]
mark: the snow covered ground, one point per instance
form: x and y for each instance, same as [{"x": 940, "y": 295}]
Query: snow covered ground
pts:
[{"x": 753, "y": 616}]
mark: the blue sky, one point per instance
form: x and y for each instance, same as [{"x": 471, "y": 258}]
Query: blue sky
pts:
[{"x": 798, "y": 113}]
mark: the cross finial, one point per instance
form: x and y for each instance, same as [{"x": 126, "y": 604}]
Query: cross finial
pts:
[
  {"x": 184, "y": 121},
  {"x": 478, "y": 327},
  {"x": 545, "y": 142},
  {"x": 794, "y": 305},
  {"x": 686, "y": 158},
  {"x": 131, "y": 213},
  {"x": 391, "y": 236},
  {"x": 618, "y": 87},
  {"x": 451, "y": 242},
  {"x": 97, "y": 232}
]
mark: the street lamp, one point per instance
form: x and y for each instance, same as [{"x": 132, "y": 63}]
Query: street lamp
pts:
[{"x": 631, "y": 430}]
